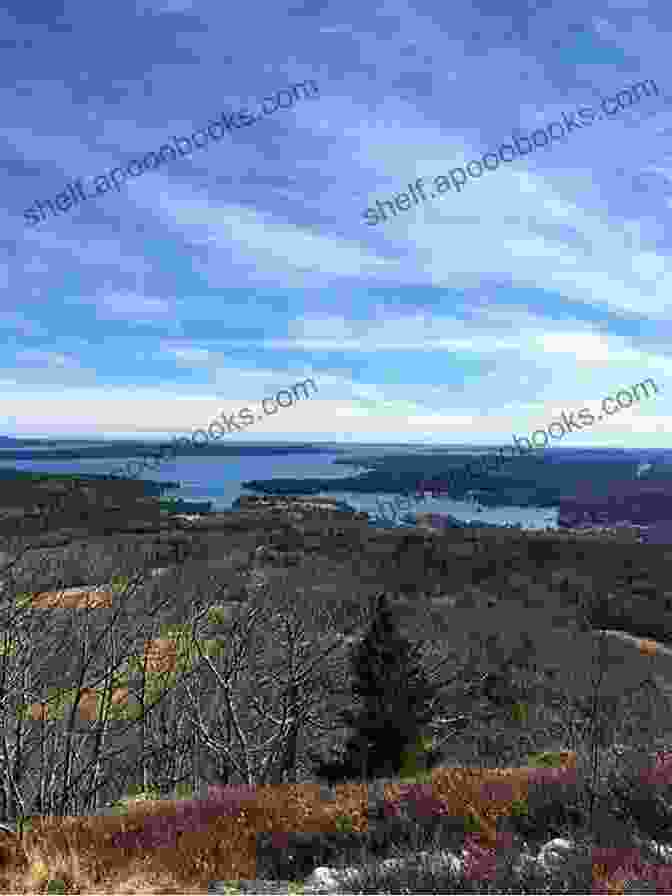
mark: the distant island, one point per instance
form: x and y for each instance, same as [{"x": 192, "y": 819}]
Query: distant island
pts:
[
  {"x": 31, "y": 477},
  {"x": 542, "y": 480},
  {"x": 538, "y": 480},
  {"x": 151, "y": 449},
  {"x": 590, "y": 487}
]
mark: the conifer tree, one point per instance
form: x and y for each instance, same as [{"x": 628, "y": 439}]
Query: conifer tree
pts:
[{"x": 394, "y": 702}]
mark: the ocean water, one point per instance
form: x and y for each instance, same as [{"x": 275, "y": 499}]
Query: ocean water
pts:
[
  {"x": 219, "y": 479},
  {"x": 216, "y": 479},
  {"x": 527, "y": 517}
]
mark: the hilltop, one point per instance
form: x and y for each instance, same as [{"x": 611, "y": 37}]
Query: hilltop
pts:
[{"x": 537, "y": 597}]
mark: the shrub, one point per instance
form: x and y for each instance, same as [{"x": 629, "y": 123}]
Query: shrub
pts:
[
  {"x": 434, "y": 822},
  {"x": 417, "y": 803},
  {"x": 479, "y": 862},
  {"x": 190, "y": 815},
  {"x": 410, "y": 822},
  {"x": 290, "y": 856},
  {"x": 341, "y": 767},
  {"x": 119, "y": 583},
  {"x": 419, "y": 758},
  {"x": 393, "y": 837},
  {"x": 553, "y": 806},
  {"x": 344, "y": 824},
  {"x": 633, "y": 873},
  {"x": 644, "y": 795},
  {"x": 218, "y": 615}
]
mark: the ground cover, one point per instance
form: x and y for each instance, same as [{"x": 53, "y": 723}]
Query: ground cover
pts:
[{"x": 80, "y": 850}]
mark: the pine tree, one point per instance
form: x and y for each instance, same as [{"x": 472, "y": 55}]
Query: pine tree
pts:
[{"x": 395, "y": 702}]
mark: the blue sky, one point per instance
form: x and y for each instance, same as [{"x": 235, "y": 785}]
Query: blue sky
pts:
[{"x": 221, "y": 277}]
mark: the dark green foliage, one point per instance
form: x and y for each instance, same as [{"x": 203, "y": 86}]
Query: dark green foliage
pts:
[
  {"x": 341, "y": 767},
  {"x": 394, "y": 702}
]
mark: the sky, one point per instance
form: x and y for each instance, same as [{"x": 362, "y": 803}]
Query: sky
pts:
[{"x": 237, "y": 269}]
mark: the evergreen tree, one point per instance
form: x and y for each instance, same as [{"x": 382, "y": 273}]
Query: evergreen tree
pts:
[{"x": 394, "y": 698}]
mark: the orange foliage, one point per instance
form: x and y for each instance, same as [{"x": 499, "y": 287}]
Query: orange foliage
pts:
[
  {"x": 647, "y": 647},
  {"x": 74, "y": 600},
  {"x": 87, "y": 707},
  {"x": 161, "y": 654}
]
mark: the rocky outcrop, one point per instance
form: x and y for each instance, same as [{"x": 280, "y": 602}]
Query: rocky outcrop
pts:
[{"x": 553, "y": 856}]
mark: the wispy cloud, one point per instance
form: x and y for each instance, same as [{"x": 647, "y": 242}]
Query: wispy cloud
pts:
[{"x": 215, "y": 279}]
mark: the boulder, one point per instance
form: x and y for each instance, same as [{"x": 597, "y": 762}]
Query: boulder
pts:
[
  {"x": 555, "y": 853},
  {"x": 324, "y": 879},
  {"x": 663, "y": 851}
]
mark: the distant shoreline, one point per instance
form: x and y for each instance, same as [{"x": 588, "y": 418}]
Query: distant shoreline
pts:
[
  {"x": 153, "y": 486},
  {"x": 545, "y": 481},
  {"x": 141, "y": 449}
]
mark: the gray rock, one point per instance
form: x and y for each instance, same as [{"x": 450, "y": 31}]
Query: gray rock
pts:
[
  {"x": 555, "y": 853},
  {"x": 551, "y": 858},
  {"x": 659, "y": 852},
  {"x": 325, "y": 878},
  {"x": 329, "y": 880},
  {"x": 663, "y": 852}
]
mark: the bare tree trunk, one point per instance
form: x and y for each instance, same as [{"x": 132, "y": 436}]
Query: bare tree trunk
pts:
[
  {"x": 283, "y": 697},
  {"x": 65, "y": 780}
]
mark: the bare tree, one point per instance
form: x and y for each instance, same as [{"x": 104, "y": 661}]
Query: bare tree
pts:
[
  {"x": 53, "y": 762},
  {"x": 273, "y": 683},
  {"x": 252, "y": 700}
]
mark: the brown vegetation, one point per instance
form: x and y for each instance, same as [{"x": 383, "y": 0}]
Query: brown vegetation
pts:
[
  {"x": 77, "y": 850},
  {"x": 73, "y": 599},
  {"x": 167, "y": 692}
]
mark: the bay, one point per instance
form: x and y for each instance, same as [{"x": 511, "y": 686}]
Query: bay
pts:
[{"x": 219, "y": 479}]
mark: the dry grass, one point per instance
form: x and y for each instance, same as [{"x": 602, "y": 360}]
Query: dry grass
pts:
[{"x": 77, "y": 850}]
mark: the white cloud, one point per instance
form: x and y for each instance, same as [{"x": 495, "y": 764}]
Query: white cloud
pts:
[{"x": 583, "y": 346}]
